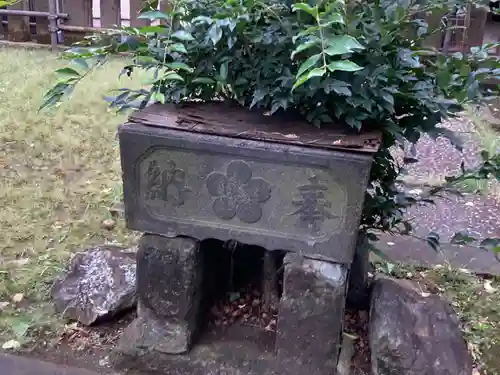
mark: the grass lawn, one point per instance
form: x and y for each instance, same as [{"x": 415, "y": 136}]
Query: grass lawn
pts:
[{"x": 60, "y": 174}]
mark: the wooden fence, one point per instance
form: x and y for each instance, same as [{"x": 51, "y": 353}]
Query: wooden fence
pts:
[{"x": 66, "y": 21}]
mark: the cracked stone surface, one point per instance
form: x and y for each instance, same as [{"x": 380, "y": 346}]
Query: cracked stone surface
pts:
[
  {"x": 413, "y": 334},
  {"x": 97, "y": 283}
]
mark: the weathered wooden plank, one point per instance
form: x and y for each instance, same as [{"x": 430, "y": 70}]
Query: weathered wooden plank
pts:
[
  {"x": 135, "y": 7},
  {"x": 435, "y": 40},
  {"x": 110, "y": 13},
  {"x": 3, "y": 27},
  {"x": 42, "y": 23},
  {"x": 164, "y": 5},
  {"x": 477, "y": 26},
  {"x": 80, "y": 14},
  {"x": 18, "y": 27}
]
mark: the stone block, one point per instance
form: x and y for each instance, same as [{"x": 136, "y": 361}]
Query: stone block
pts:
[
  {"x": 310, "y": 320},
  {"x": 278, "y": 196},
  {"x": 169, "y": 277}
]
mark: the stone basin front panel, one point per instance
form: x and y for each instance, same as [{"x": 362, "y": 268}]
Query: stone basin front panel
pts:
[{"x": 281, "y": 197}]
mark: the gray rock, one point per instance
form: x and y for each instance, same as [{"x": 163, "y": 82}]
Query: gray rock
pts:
[
  {"x": 311, "y": 315},
  {"x": 97, "y": 283},
  {"x": 411, "y": 334}
]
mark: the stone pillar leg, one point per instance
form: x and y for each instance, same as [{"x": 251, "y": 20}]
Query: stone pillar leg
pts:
[
  {"x": 169, "y": 276},
  {"x": 310, "y": 319}
]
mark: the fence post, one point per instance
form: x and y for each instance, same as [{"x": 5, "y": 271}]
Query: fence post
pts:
[
  {"x": 41, "y": 23},
  {"x": 434, "y": 23},
  {"x": 477, "y": 25},
  {"x": 110, "y": 13},
  {"x": 53, "y": 23},
  {"x": 19, "y": 26},
  {"x": 135, "y": 7},
  {"x": 80, "y": 14}
]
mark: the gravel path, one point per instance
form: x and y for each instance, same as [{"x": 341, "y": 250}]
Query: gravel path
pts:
[{"x": 477, "y": 214}]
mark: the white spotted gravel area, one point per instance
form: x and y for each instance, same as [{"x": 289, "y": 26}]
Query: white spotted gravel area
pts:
[{"x": 473, "y": 213}]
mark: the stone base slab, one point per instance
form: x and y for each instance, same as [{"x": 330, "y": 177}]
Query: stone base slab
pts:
[{"x": 238, "y": 350}]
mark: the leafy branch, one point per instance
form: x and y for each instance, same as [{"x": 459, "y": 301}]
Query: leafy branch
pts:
[
  {"x": 323, "y": 37},
  {"x": 6, "y": 3}
]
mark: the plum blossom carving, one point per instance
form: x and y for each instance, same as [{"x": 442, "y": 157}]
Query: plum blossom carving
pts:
[{"x": 238, "y": 193}]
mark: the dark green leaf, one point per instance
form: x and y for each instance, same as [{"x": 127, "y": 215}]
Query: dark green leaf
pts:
[
  {"x": 202, "y": 20},
  {"x": 50, "y": 101},
  {"x": 69, "y": 72},
  {"x": 215, "y": 33},
  {"x": 317, "y": 72},
  {"x": 223, "y": 71},
  {"x": 341, "y": 44},
  {"x": 433, "y": 240},
  {"x": 180, "y": 66},
  {"x": 313, "y": 11},
  {"x": 491, "y": 244},
  {"x": 178, "y": 47},
  {"x": 333, "y": 19},
  {"x": 339, "y": 87},
  {"x": 388, "y": 97},
  {"x": 303, "y": 47},
  {"x": 172, "y": 76},
  {"x": 344, "y": 65},
  {"x": 258, "y": 95},
  {"x": 182, "y": 35},
  {"x": 153, "y": 29},
  {"x": 308, "y": 64},
  {"x": 379, "y": 253},
  {"x": 241, "y": 81},
  {"x": 153, "y": 15},
  {"x": 462, "y": 238},
  {"x": 158, "y": 97},
  {"x": 81, "y": 63}
]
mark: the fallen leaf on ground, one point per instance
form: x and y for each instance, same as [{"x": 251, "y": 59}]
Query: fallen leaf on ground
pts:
[
  {"x": 108, "y": 224},
  {"x": 488, "y": 287},
  {"x": 11, "y": 344},
  {"x": 18, "y": 297},
  {"x": 72, "y": 326},
  {"x": 351, "y": 335}
]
